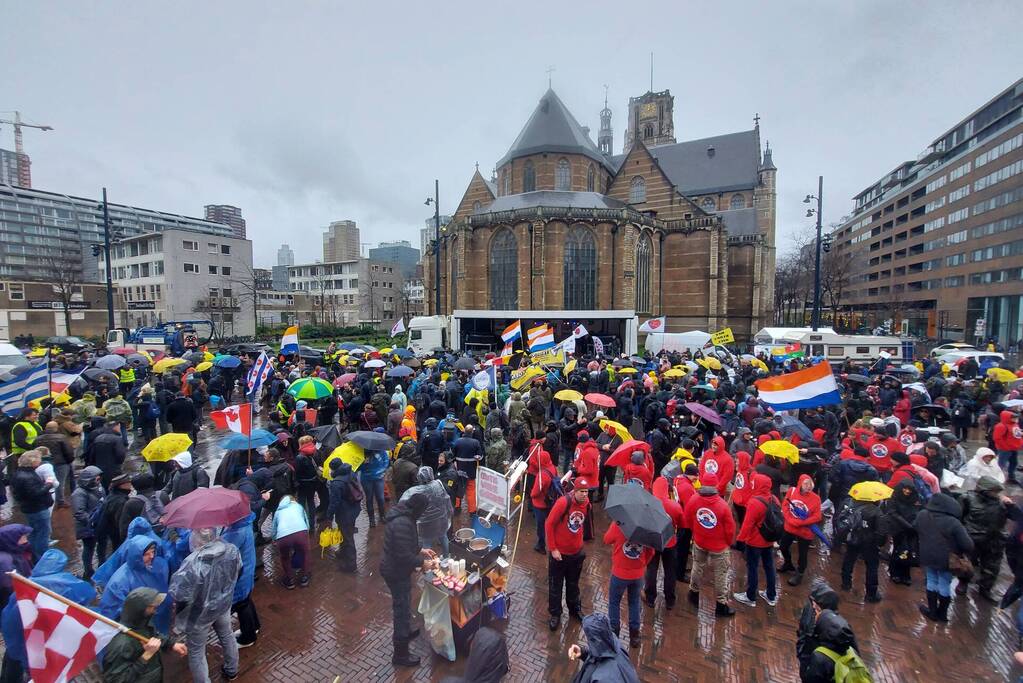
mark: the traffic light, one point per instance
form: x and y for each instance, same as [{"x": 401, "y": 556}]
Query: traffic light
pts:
[
  {"x": 97, "y": 249},
  {"x": 826, "y": 244}
]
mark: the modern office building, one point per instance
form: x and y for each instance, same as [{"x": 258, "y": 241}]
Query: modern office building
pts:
[
  {"x": 263, "y": 278},
  {"x": 936, "y": 245},
  {"x": 400, "y": 252},
  {"x": 42, "y": 230},
  {"x": 426, "y": 234},
  {"x": 228, "y": 215},
  {"x": 341, "y": 242},
  {"x": 285, "y": 256},
  {"x": 181, "y": 274}
]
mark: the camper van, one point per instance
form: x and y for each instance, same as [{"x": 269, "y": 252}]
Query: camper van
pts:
[
  {"x": 858, "y": 347},
  {"x": 677, "y": 342},
  {"x": 772, "y": 337}
]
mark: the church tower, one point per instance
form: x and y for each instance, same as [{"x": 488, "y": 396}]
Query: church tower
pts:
[
  {"x": 605, "y": 138},
  {"x": 651, "y": 119}
]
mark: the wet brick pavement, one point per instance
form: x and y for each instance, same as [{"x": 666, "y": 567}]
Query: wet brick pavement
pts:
[{"x": 340, "y": 626}]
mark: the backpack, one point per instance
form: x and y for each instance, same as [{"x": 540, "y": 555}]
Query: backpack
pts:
[
  {"x": 153, "y": 410},
  {"x": 850, "y": 525},
  {"x": 553, "y": 492},
  {"x": 773, "y": 525},
  {"x": 849, "y": 668},
  {"x": 922, "y": 489},
  {"x": 355, "y": 492}
]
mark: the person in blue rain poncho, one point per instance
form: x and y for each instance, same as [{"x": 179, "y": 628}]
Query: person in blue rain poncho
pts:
[
  {"x": 50, "y": 572},
  {"x": 143, "y": 567},
  {"x": 139, "y": 526},
  {"x": 241, "y": 536}
]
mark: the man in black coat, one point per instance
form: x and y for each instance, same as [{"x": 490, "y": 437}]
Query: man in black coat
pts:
[
  {"x": 181, "y": 415},
  {"x": 401, "y": 556},
  {"x": 834, "y": 633},
  {"x": 34, "y": 499},
  {"x": 110, "y": 518},
  {"x": 109, "y": 451}
]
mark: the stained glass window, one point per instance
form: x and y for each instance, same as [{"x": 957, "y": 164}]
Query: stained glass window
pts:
[
  {"x": 643, "y": 254},
  {"x": 591, "y": 179},
  {"x": 563, "y": 176},
  {"x": 637, "y": 191},
  {"x": 709, "y": 204},
  {"x": 580, "y": 269},
  {"x": 504, "y": 269},
  {"x": 738, "y": 201}
]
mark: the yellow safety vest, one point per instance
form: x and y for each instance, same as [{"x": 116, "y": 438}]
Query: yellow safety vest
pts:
[
  {"x": 127, "y": 375},
  {"x": 31, "y": 432}
]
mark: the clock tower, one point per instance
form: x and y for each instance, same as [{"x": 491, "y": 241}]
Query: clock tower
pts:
[{"x": 651, "y": 119}]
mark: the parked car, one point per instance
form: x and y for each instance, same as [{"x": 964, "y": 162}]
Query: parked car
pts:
[
  {"x": 985, "y": 359},
  {"x": 247, "y": 349},
  {"x": 951, "y": 347},
  {"x": 11, "y": 358},
  {"x": 310, "y": 355},
  {"x": 68, "y": 344}
]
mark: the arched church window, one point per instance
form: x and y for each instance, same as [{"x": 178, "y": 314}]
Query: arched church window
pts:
[
  {"x": 709, "y": 204},
  {"x": 591, "y": 179},
  {"x": 580, "y": 275},
  {"x": 504, "y": 269},
  {"x": 648, "y": 131},
  {"x": 563, "y": 176},
  {"x": 507, "y": 182},
  {"x": 738, "y": 201},
  {"x": 637, "y": 191},
  {"x": 476, "y": 206},
  {"x": 528, "y": 177},
  {"x": 643, "y": 255}
]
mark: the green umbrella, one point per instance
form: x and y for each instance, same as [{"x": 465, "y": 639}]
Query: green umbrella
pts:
[{"x": 311, "y": 388}]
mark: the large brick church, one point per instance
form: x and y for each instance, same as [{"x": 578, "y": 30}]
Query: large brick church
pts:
[{"x": 680, "y": 229}]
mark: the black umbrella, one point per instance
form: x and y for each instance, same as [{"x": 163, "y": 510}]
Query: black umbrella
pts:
[
  {"x": 327, "y": 436},
  {"x": 932, "y": 408},
  {"x": 137, "y": 360},
  {"x": 862, "y": 379},
  {"x": 464, "y": 363},
  {"x": 372, "y": 441},
  {"x": 621, "y": 363},
  {"x": 640, "y": 515},
  {"x": 100, "y": 375},
  {"x": 348, "y": 346}
]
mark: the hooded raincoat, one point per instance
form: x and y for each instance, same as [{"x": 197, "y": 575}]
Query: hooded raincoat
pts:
[
  {"x": 204, "y": 585},
  {"x": 977, "y": 468},
  {"x": 488, "y": 659},
  {"x": 122, "y": 658},
  {"x": 135, "y": 574},
  {"x": 137, "y": 527},
  {"x": 436, "y": 519},
  {"x": 13, "y": 555},
  {"x": 833, "y": 632},
  {"x": 604, "y": 659}
]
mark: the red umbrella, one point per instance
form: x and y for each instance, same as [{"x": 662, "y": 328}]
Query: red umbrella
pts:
[
  {"x": 124, "y": 351},
  {"x": 623, "y": 454},
  {"x": 206, "y": 507},
  {"x": 602, "y": 400},
  {"x": 344, "y": 379}
]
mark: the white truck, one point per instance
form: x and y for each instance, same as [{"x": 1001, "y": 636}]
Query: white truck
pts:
[{"x": 480, "y": 331}]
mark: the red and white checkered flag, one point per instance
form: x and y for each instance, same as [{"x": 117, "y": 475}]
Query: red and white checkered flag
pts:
[{"x": 62, "y": 638}]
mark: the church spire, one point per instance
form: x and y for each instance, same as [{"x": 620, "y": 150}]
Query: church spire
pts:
[{"x": 605, "y": 137}]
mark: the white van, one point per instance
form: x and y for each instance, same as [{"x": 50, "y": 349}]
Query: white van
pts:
[
  {"x": 11, "y": 358},
  {"x": 677, "y": 342}
]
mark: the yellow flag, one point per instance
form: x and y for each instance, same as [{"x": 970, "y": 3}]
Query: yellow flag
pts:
[
  {"x": 722, "y": 337},
  {"x": 523, "y": 376}
]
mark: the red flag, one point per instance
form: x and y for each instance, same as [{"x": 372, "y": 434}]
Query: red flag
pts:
[
  {"x": 236, "y": 418},
  {"x": 61, "y": 638}
]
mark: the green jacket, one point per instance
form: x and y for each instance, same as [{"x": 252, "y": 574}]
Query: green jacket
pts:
[
  {"x": 122, "y": 658},
  {"x": 118, "y": 409}
]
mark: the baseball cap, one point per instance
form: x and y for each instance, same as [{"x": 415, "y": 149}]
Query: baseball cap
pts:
[{"x": 581, "y": 483}]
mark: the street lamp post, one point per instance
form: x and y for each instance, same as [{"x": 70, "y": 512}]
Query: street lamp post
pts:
[
  {"x": 815, "y": 316},
  {"x": 435, "y": 200},
  {"x": 106, "y": 250}
]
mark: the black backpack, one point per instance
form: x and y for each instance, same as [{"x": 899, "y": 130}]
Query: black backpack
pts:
[
  {"x": 773, "y": 525},
  {"x": 850, "y": 525}
]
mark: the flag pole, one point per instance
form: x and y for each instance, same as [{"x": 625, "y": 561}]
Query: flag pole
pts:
[{"x": 96, "y": 615}]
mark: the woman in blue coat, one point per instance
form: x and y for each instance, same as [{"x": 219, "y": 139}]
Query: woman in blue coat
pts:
[
  {"x": 143, "y": 567},
  {"x": 241, "y": 535}
]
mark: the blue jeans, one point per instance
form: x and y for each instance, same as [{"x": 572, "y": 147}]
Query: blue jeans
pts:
[
  {"x": 614, "y": 602},
  {"x": 374, "y": 489},
  {"x": 939, "y": 581},
  {"x": 39, "y": 538},
  {"x": 430, "y": 541},
  {"x": 1008, "y": 460},
  {"x": 540, "y": 514},
  {"x": 763, "y": 556}
]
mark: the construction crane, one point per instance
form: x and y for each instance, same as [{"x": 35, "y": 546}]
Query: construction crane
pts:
[{"x": 24, "y": 164}]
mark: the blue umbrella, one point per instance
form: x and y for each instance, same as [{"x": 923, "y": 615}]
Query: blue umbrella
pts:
[
  {"x": 402, "y": 353},
  {"x": 240, "y": 442},
  {"x": 228, "y": 362},
  {"x": 400, "y": 371},
  {"x": 802, "y": 514}
]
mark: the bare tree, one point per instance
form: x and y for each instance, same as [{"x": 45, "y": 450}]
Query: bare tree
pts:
[
  {"x": 837, "y": 267},
  {"x": 66, "y": 277}
]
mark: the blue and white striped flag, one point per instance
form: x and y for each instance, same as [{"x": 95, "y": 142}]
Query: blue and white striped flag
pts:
[
  {"x": 261, "y": 369},
  {"x": 27, "y": 385}
]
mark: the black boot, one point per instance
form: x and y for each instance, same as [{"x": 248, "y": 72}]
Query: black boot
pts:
[
  {"x": 694, "y": 597},
  {"x": 930, "y": 610},
  {"x": 402, "y": 657},
  {"x": 633, "y": 638},
  {"x": 796, "y": 579},
  {"x": 723, "y": 609},
  {"x": 943, "y": 604},
  {"x": 785, "y": 568}
]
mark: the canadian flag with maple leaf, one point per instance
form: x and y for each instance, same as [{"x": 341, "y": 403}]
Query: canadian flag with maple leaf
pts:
[
  {"x": 236, "y": 418},
  {"x": 653, "y": 325}
]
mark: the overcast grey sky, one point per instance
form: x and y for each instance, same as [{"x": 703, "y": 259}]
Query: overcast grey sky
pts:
[{"x": 306, "y": 112}]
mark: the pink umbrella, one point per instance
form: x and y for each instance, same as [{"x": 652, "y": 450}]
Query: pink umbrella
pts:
[
  {"x": 344, "y": 379},
  {"x": 703, "y": 411},
  {"x": 206, "y": 507}
]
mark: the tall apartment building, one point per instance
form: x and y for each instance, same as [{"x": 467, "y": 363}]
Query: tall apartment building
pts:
[
  {"x": 9, "y": 167},
  {"x": 936, "y": 245},
  {"x": 341, "y": 242},
  {"x": 182, "y": 274},
  {"x": 400, "y": 252},
  {"x": 228, "y": 215},
  {"x": 428, "y": 234},
  {"x": 42, "y": 230},
  {"x": 285, "y": 256}
]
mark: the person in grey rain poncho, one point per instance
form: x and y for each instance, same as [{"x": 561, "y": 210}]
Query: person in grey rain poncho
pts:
[
  {"x": 434, "y": 522},
  {"x": 604, "y": 658},
  {"x": 203, "y": 590}
]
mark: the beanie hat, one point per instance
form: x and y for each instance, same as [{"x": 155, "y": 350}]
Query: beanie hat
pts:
[
  {"x": 709, "y": 479},
  {"x": 900, "y": 457}
]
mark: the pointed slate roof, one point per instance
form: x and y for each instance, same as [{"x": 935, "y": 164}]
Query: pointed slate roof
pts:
[{"x": 552, "y": 128}]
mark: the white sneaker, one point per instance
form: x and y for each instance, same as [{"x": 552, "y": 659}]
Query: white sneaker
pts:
[
  {"x": 770, "y": 602},
  {"x": 741, "y": 597}
]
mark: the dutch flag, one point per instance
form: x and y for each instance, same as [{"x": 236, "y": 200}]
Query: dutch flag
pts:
[
  {"x": 540, "y": 338},
  {"x": 809, "y": 388},
  {"x": 512, "y": 332}
]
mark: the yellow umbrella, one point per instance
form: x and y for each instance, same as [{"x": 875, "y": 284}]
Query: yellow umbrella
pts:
[
  {"x": 781, "y": 449},
  {"x": 568, "y": 395},
  {"x": 36, "y": 353},
  {"x": 60, "y": 399},
  {"x": 570, "y": 366},
  {"x": 349, "y": 452},
  {"x": 714, "y": 363},
  {"x": 164, "y": 364},
  {"x": 674, "y": 373},
  {"x": 386, "y": 349},
  {"x": 206, "y": 355},
  {"x": 759, "y": 364},
  {"x": 1002, "y": 375},
  {"x": 627, "y": 371},
  {"x": 203, "y": 366},
  {"x": 870, "y": 491},
  {"x": 165, "y": 447},
  {"x": 619, "y": 429},
  {"x": 430, "y": 362}
]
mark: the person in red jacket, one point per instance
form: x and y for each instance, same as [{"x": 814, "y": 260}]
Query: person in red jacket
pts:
[
  {"x": 564, "y": 527},
  {"x": 742, "y": 488},
  {"x": 902, "y": 407},
  {"x": 710, "y": 518},
  {"x": 684, "y": 490},
  {"x": 638, "y": 470},
  {"x": 758, "y": 550},
  {"x": 881, "y": 446},
  {"x": 666, "y": 557},
  {"x": 628, "y": 563},
  {"x": 907, "y": 437},
  {"x": 587, "y": 466},
  {"x": 1008, "y": 438},
  {"x": 801, "y": 508},
  {"x": 546, "y": 474},
  {"x": 904, "y": 470},
  {"x": 718, "y": 462}
]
